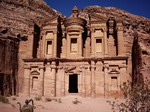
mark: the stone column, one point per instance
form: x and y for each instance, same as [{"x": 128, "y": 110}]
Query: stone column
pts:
[
  {"x": 55, "y": 44},
  {"x": 64, "y": 48},
  {"x": 30, "y": 42},
  {"x": 120, "y": 39},
  {"x": 58, "y": 81},
  {"x": 26, "y": 83},
  {"x": 92, "y": 43},
  {"x": 105, "y": 42},
  {"x": 47, "y": 80},
  {"x": 68, "y": 45},
  {"x": 41, "y": 81},
  {"x": 41, "y": 45},
  {"x": 106, "y": 81},
  {"x": 63, "y": 82},
  {"x": 83, "y": 81},
  {"x": 93, "y": 78},
  {"x": 80, "y": 45},
  {"x": 53, "y": 79}
]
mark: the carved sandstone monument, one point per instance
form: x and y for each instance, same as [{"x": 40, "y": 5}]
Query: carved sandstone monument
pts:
[
  {"x": 91, "y": 53},
  {"x": 73, "y": 56}
]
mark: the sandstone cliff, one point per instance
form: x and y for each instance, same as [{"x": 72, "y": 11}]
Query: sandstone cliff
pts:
[
  {"x": 136, "y": 35},
  {"x": 15, "y": 18},
  {"x": 17, "y": 15}
]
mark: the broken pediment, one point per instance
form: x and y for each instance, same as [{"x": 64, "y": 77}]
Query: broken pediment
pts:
[
  {"x": 53, "y": 20},
  {"x": 71, "y": 68},
  {"x": 35, "y": 73}
]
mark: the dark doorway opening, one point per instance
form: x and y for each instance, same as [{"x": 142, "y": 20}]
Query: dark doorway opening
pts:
[{"x": 73, "y": 83}]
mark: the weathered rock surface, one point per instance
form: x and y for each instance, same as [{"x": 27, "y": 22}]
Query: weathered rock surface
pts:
[
  {"x": 17, "y": 15},
  {"x": 132, "y": 24}
]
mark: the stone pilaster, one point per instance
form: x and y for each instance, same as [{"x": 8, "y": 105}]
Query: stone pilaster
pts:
[
  {"x": 105, "y": 42},
  {"x": 120, "y": 39},
  {"x": 53, "y": 79},
  {"x": 41, "y": 83},
  {"x": 55, "y": 44},
  {"x": 93, "y": 79},
  {"x": 26, "y": 83},
  {"x": 30, "y": 43},
  {"x": 80, "y": 45},
  {"x": 43, "y": 45},
  {"x": 41, "y": 52},
  {"x": 64, "y": 48},
  {"x": 47, "y": 80},
  {"x": 59, "y": 81},
  {"x": 63, "y": 81},
  {"x": 68, "y": 45},
  {"x": 106, "y": 81},
  {"x": 92, "y": 43},
  {"x": 83, "y": 81}
]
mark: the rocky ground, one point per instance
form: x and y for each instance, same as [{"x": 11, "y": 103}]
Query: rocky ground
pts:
[{"x": 63, "y": 104}]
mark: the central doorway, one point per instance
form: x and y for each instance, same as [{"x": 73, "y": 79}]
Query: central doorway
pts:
[{"x": 73, "y": 83}]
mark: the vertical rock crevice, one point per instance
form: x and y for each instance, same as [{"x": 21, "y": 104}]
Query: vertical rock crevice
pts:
[{"x": 137, "y": 76}]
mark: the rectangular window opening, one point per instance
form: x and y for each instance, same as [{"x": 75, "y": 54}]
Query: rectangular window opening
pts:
[
  {"x": 113, "y": 77},
  {"x": 49, "y": 47},
  {"x": 73, "y": 45},
  {"x": 34, "y": 82},
  {"x": 114, "y": 83},
  {"x": 98, "y": 40},
  {"x": 98, "y": 45},
  {"x": 74, "y": 40}
]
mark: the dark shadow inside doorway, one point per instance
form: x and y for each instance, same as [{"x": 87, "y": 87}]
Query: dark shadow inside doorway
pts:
[{"x": 73, "y": 83}]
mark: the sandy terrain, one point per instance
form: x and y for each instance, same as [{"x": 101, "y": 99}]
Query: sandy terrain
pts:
[{"x": 66, "y": 105}]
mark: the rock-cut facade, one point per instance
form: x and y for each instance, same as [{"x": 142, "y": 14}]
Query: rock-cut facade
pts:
[{"x": 73, "y": 56}]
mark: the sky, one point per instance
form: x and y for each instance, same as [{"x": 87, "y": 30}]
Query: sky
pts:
[{"x": 137, "y": 7}]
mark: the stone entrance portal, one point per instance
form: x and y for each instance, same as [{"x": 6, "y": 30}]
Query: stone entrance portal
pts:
[{"x": 73, "y": 83}]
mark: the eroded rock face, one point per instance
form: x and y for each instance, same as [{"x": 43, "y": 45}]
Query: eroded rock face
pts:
[
  {"x": 17, "y": 15},
  {"x": 132, "y": 24}
]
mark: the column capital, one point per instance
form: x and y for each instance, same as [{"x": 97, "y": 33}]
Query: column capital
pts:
[
  {"x": 55, "y": 31},
  {"x": 92, "y": 30},
  {"x": 81, "y": 31},
  {"x": 53, "y": 67},
  {"x": 93, "y": 64},
  {"x": 60, "y": 67},
  {"x": 104, "y": 29},
  {"x": 106, "y": 66},
  {"x": 43, "y": 33},
  {"x": 119, "y": 28}
]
